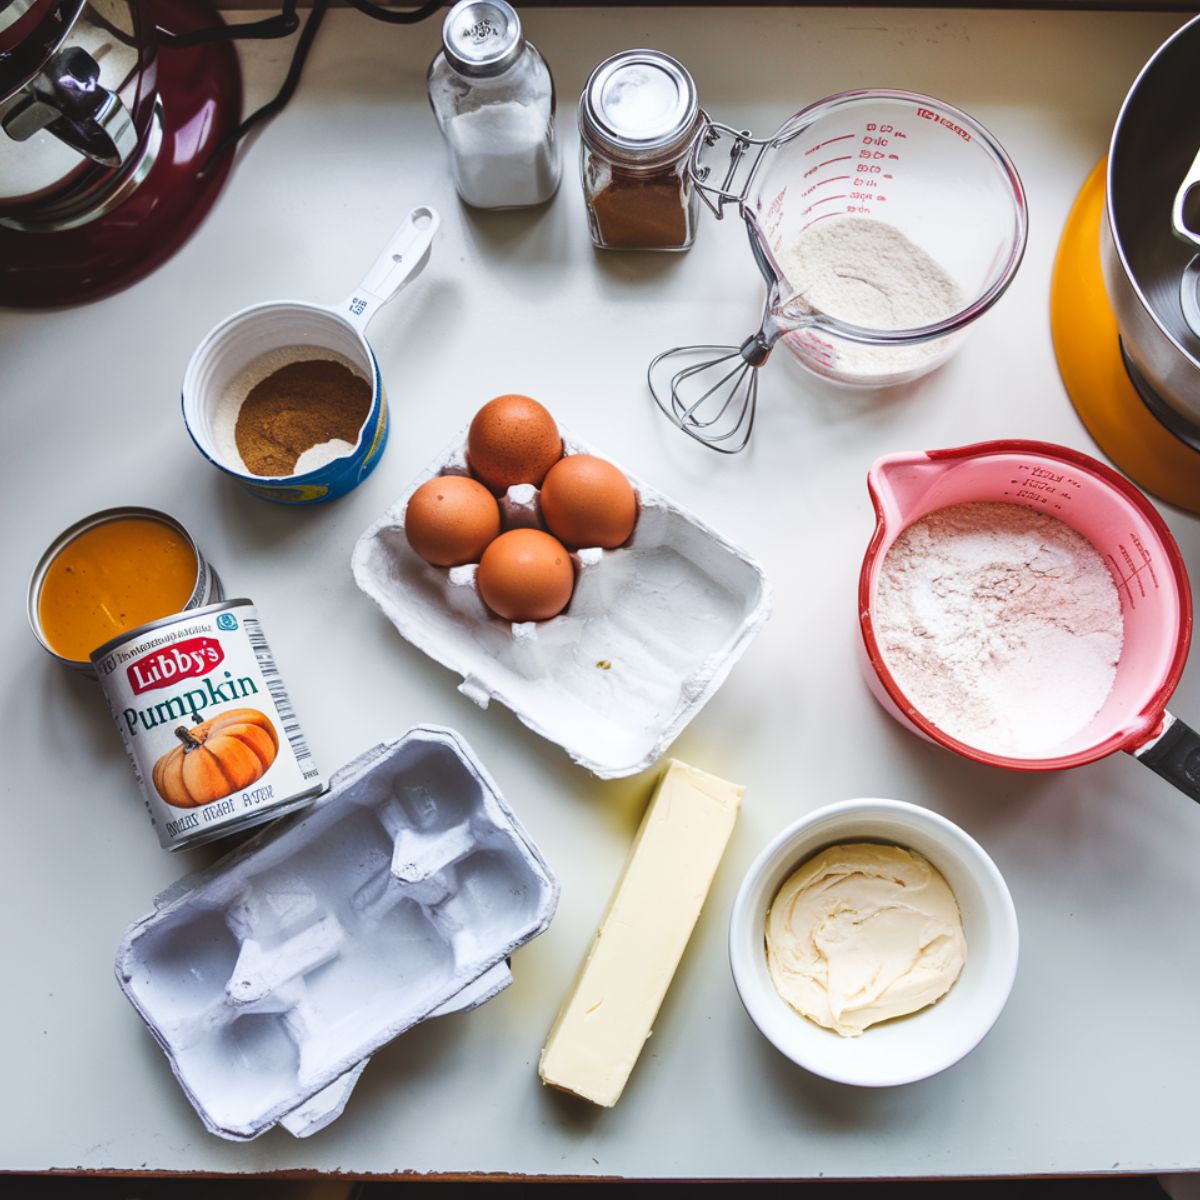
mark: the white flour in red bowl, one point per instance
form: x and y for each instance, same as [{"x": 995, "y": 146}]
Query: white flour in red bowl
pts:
[{"x": 1001, "y": 625}]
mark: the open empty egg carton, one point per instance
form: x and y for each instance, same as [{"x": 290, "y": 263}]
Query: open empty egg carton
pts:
[
  {"x": 650, "y": 633},
  {"x": 271, "y": 977}
]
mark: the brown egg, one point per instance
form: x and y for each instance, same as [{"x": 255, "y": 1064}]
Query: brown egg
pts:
[
  {"x": 450, "y": 520},
  {"x": 588, "y": 502},
  {"x": 512, "y": 439},
  {"x": 526, "y": 575}
]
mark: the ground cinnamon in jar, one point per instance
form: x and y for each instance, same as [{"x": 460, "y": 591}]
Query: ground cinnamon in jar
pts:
[
  {"x": 300, "y": 405},
  {"x": 639, "y": 118},
  {"x": 642, "y": 210}
]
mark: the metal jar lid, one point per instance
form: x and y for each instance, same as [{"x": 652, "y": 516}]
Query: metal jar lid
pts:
[
  {"x": 482, "y": 37},
  {"x": 640, "y": 106}
]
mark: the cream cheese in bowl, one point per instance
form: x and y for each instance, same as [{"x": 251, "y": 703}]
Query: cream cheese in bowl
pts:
[
  {"x": 863, "y": 933},
  {"x": 938, "y": 1030}
]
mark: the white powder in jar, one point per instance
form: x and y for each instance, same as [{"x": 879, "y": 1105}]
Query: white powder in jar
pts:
[
  {"x": 867, "y": 273},
  {"x": 502, "y": 155},
  {"x": 1000, "y": 625}
]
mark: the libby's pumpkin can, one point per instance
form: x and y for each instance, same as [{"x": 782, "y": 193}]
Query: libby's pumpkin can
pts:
[{"x": 207, "y": 723}]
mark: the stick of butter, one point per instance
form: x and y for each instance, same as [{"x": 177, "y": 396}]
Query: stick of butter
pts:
[{"x": 610, "y": 1012}]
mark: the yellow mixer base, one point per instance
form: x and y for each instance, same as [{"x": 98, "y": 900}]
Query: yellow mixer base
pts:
[{"x": 1089, "y": 360}]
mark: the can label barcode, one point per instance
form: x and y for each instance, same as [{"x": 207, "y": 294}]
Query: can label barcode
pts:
[
  {"x": 208, "y": 723},
  {"x": 278, "y": 693}
]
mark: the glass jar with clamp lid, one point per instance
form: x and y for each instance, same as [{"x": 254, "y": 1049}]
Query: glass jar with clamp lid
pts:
[{"x": 639, "y": 116}]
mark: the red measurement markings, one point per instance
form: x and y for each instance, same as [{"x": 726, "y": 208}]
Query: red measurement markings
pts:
[
  {"x": 810, "y": 346},
  {"x": 821, "y": 183},
  {"x": 1147, "y": 561},
  {"x": 777, "y": 203},
  {"x": 827, "y": 142},
  {"x": 929, "y": 114},
  {"x": 1123, "y": 581},
  {"x": 824, "y": 200},
  {"x": 826, "y": 163},
  {"x": 1133, "y": 574},
  {"x": 810, "y": 224},
  {"x": 774, "y": 214}
]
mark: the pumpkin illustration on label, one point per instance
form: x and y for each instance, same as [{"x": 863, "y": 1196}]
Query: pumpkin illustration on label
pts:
[{"x": 216, "y": 757}]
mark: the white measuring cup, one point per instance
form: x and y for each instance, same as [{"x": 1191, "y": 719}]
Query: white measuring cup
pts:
[
  {"x": 1136, "y": 545},
  {"x": 309, "y": 331},
  {"x": 920, "y": 165}
]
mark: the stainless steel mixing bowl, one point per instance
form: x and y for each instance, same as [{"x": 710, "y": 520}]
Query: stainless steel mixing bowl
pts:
[{"x": 1155, "y": 140}]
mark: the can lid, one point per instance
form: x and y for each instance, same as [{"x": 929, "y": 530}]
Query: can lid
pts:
[
  {"x": 640, "y": 104},
  {"x": 69, "y": 535},
  {"x": 482, "y": 37}
]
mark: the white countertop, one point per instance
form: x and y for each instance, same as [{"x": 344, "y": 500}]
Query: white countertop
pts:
[{"x": 1092, "y": 1065}]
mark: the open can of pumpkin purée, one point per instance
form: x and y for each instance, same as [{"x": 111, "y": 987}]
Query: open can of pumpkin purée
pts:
[
  {"x": 112, "y": 572},
  {"x": 207, "y": 723}
]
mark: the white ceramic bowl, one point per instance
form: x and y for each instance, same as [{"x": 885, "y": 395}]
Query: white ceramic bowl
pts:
[{"x": 911, "y": 1047}]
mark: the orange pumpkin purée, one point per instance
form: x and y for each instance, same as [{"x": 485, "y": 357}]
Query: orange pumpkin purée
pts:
[{"x": 111, "y": 578}]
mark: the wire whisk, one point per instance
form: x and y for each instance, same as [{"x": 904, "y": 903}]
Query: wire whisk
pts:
[{"x": 714, "y": 399}]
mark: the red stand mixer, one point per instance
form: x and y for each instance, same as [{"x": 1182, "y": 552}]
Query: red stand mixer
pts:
[{"x": 107, "y": 140}]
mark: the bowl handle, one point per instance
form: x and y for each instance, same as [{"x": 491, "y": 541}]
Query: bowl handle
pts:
[{"x": 1175, "y": 755}]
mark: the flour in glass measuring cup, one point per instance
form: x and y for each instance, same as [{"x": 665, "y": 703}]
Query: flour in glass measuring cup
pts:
[
  {"x": 1000, "y": 625},
  {"x": 868, "y": 273}
]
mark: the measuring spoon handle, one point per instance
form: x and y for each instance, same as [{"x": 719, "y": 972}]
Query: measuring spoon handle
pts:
[
  {"x": 1175, "y": 755},
  {"x": 401, "y": 259}
]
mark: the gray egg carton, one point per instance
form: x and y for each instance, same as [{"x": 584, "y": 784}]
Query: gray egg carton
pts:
[
  {"x": 651, "y": 631},
  {"x": 271, "y": 977}
]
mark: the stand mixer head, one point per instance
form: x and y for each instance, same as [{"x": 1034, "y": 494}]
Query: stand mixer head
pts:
[{"x": 105, "y": 133}]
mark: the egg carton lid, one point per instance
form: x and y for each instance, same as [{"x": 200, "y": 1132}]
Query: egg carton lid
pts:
[
  {"x": 412, "y": 853},
  {"x": 650, "y": 634}
]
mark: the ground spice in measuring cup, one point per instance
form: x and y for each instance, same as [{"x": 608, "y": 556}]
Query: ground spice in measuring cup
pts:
[{"x": 299, "y": 406}]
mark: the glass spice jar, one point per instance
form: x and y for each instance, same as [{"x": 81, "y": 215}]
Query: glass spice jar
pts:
[
  {"x": 638, "y": 118},
  {"x": 493, "y": 97}
]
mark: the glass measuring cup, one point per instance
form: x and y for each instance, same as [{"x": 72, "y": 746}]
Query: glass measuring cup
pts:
[
  {"x": 898, "y": 165},
  {"x": 920, "y": 165},
  {"x": 1133, "y": 540}
]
